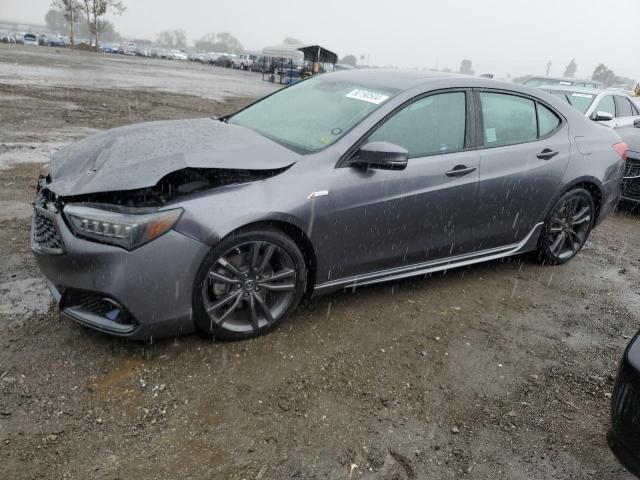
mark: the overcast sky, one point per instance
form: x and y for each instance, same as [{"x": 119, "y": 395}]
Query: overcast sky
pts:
[{"x": 500, "y": 36}]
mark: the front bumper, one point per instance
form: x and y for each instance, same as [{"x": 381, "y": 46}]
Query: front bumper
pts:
[
  {"x": 631, "y": 180},
  {"x": 624, "y": 435},
  {"x": 150, "y": 287}
]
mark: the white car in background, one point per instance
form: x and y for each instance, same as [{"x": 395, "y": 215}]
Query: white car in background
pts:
[
  {"x": 244, "y": 61},
  {"x": 30, "y": 39},
  {"x": 609, "y": 107},
  {"x": 178, "y": 55}
]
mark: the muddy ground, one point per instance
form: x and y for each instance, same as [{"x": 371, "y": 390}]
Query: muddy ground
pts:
[{"x": 498, "y": 371}]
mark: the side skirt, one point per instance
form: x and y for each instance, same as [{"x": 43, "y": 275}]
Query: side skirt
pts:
[{"x": 529, "y": 243}]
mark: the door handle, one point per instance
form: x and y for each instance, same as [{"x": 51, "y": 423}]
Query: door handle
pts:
[
  {"x": 460, "y": 171},
  {"x": 547, "y": 154}
]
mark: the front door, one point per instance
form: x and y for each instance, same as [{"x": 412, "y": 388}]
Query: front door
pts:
[{"x": 389, "y": 218}]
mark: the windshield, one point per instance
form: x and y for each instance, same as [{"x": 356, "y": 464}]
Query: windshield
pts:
[
  {"x": 580, "y": 101},
  {"x": 313, "y": 114}
]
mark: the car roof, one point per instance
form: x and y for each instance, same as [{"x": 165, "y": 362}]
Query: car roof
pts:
[
  {"x": 403, "y": 80},
  {"x": 569, "y": 88},
  {"x": 566, "y": 79}
]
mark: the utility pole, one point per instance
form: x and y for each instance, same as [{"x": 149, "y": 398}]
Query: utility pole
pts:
[{"x": 548, "y": 67}]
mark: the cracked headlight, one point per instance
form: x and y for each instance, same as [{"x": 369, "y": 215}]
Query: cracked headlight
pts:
[{"x": 126, "y": 230}]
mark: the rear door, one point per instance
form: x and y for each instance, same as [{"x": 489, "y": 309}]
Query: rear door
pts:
[
  {"x": 524, "y": 155},
  {"x": 626, "y": 112}
]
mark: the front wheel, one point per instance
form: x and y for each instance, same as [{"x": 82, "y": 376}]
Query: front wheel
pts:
[
  {"x": 567, "y": 227},
  {"x": 248, "y": 284}
]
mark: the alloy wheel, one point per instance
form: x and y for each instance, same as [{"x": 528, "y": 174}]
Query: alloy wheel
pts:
[
  {"x": 249, "y": 287},
  {"x": 569, "y": 227}
]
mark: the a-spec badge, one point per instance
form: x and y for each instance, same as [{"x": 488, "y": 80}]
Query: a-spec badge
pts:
[{"x": 319, "y": 193}]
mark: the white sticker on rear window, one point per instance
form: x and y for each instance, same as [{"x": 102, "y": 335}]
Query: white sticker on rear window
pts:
[
  {"x": 582, "y": 95},
  {"x": 566, "y": 84},
  {"x": 490, "y": 134},
  {"x": 367, "y": 96}
]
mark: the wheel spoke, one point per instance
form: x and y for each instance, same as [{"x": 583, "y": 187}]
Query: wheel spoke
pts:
[
  {"x": 232, "y": 309},
  {"x": 283, "y": 287},
  {"x": 555, "y": 229},
  {"x": 557, "y": 243},
  {"x": 255, "y": 256},
  {"x": 264, "y": 307},
  {"x": 582, "y": 216},
  {"x": 229, "y": 266},
  {"x": 223, "y": 301},
  {"x": 222, "y": 278},
  {"x": 286, "y": 273},
  {"x": 254, "y": 314},
  {"x": 267, "y": 257}
]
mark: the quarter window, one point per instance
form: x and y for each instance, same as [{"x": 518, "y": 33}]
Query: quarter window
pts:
[
  {"x": 547, "y": 121},
  {"x": 431, "y": 125},
  {"x": 606, "y": 105},
  {"x": 508, "y": 119}
]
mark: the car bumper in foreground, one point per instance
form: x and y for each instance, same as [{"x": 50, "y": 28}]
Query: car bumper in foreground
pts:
[
  {"x": 631, "y": 180},
  {"x": 624, "y": 434},
  {"x": 142, "y": 294}
]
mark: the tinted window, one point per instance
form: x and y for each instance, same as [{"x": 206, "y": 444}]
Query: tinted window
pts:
[
  {"x": 623, "y": 107},
  {"x": 547, "y": 121},
  {"x": 431, "y": 125},
  {"x": 508, "y": 119},
  {"x": 606, "y": 105}
]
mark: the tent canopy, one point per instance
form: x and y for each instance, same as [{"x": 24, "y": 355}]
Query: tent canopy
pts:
[
  {"x": 316, "y": 53},
  {"x": 290, "y": 52}
]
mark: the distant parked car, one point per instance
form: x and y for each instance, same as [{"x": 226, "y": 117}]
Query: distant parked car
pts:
[
  {"x": 130, "y": 49},
  {"x": 611, "y": 108},
  {"x": 110, "y": 48},
  {"x": 223, "y": 60},
  {"x": 566, "y": 82},
  {"x": 141, "y": 51},
  {"x": 30, "y": 39},
  {"x": 177, "y": 55},
  {"x": 6, "y": 37},
  {"x": 244, "y": 61}
]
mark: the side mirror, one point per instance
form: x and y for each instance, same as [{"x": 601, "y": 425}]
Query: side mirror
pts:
[
  {"x": 636, "y": 123},
  {"x": 603, "y": 116},
  {"x": 381, "y": 155}
]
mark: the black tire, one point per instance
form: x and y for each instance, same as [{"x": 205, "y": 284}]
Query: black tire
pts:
[
  {"x": 567, "y": 227},
  {"x": 238, "y": 295}
]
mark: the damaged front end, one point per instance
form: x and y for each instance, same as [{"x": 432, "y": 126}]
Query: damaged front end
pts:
[{"x": 129, "y": 218}]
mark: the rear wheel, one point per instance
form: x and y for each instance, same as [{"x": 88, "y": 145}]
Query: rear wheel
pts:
[
  {"x": 567, "y": 227},
  {"x": 248, "y": 284}
]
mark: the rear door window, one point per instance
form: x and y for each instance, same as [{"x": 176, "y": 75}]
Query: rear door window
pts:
[
  {"x": 623, "y": 107},
  {"x": 508, "y": 119}
]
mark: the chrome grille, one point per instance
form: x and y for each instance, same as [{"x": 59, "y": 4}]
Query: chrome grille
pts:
[
  {"x": 44, "y": 233},
  {"x": 632, "y": 168}
]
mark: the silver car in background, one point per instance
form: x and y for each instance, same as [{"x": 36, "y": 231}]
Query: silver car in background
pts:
[{"x": 609, "y": 107}]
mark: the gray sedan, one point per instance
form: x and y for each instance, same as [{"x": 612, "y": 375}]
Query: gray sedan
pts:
[{"x": 342, "y": 180}]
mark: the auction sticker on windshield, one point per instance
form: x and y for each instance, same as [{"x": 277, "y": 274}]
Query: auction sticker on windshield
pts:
[
  {"x": 582, "y": 95},
  {"x": 367, "y": 96}
]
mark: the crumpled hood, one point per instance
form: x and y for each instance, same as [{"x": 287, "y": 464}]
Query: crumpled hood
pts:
[{"x": 138, "y": 156}]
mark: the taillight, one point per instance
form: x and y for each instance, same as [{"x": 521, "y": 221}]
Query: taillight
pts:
[{"x": 621, "y": 149}]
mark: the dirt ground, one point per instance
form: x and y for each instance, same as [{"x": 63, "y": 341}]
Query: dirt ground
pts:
[{"x": 498, "y": 371}]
